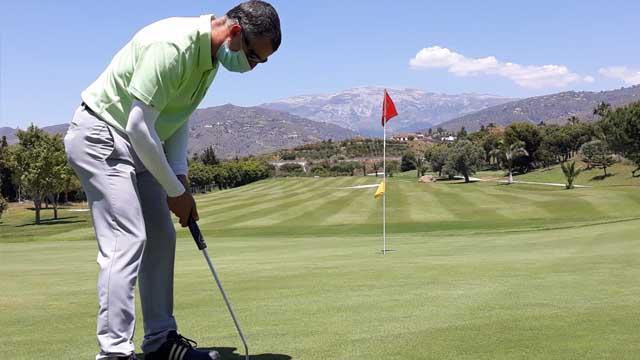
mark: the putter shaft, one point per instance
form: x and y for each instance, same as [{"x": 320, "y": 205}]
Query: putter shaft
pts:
[{"x": 199, "y": 239}]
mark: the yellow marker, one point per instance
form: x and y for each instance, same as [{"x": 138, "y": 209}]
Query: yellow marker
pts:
[{"x": 379, "y": 191}]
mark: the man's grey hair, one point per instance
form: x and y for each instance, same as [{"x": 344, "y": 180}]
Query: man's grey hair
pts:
[{"x": 258, "y": 19}]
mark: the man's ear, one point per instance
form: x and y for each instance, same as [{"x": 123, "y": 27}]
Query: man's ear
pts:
[{"x": 234, "y": 30}]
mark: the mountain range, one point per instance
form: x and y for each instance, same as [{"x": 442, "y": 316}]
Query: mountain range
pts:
[
  {"x": 241, "y": 131},
  {"x": 552, "y": 109},
  {"x": 360, "y": 108},
  {"x": 10, "y": 133}
]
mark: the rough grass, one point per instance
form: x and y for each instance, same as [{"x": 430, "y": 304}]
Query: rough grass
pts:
[{"x": 480, "y": 271}]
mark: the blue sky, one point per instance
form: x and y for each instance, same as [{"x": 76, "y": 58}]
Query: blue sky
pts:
[{"x": 50, "y": 51}]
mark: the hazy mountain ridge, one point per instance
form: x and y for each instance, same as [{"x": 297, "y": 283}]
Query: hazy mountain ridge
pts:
[
  {"x": 241, "y": 131},
  {"x": 552, "y": 109},
  {"x": 10, "y": 133},
  {"x": 359, "y": 109}
]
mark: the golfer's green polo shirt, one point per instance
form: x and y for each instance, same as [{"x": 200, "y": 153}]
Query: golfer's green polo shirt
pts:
[{"x": 166, "y": 65}]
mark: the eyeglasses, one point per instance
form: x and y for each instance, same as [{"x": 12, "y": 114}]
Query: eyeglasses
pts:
[{"x": 251, "y": 54}]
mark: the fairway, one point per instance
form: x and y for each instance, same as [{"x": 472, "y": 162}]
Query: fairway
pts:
[{"x": 479, "y": 271}]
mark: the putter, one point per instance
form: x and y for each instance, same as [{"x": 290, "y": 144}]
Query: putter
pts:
[{"x": 197, "y": 236}]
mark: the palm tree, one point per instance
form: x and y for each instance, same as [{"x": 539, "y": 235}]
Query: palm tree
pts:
[
  {"x": 573, "y": 120},
  {"x": 570, "y": 172},
  {"x": 602, "y": 109},
  {"x": 421, "y": 165},
  {"x": 506, "y": 153}
]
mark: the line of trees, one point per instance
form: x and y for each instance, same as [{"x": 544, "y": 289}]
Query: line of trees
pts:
[
  {"x": 328, "y": 167},
  {"x": 346, "y": 149},
  {"x": 206, "y": 171},
  {"x": 522, "y": 147}
]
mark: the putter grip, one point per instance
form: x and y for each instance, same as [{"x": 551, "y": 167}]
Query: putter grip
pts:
[{"x": 197, "y": 235}]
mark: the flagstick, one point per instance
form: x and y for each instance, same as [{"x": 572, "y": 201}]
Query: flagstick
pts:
[{"x": 384, "y": 172}]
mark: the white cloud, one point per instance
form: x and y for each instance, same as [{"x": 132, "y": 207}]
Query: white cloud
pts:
[
  {"x": 530, "y": 76},
  {"x": 630, "y": 77}
]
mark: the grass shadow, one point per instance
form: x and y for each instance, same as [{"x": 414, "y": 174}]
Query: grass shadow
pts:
[
  {"x": 462, "y": 182},
  {"x": 503, "y": 183},
  {"x": 601, "y": 177},
  {"x": 58, "y": 221},
  {"x": 229, "y": 353}
]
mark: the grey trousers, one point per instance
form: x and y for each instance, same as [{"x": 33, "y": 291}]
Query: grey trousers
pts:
[{"x": 136, "y": 237}]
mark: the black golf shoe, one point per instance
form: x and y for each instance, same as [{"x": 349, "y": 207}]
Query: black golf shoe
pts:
[{"x": 178, "y": 347}]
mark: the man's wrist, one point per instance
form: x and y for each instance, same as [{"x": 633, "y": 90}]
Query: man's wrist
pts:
[
  {"x": 184, "y": 180},
  {"x": 175, "y": 189}
]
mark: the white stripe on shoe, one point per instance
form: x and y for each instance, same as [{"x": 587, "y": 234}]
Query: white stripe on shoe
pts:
[
  {"x": 172, "y": 352},
  {"x": 182, "y": 352}
]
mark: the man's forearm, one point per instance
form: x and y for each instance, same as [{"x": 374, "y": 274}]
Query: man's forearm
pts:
[
  {"x": 146, "y": 143},
  {"x": 175, "y": 148}
]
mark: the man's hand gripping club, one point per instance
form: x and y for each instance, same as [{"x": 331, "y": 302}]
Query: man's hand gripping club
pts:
[{"x": 183, "y": 205}]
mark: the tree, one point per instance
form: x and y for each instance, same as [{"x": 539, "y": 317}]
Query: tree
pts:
[
  {"x": 60, "y": 171},
  {"x": 465, "y": 158},
  {"x": 530, "y": 135},
  {"x": 437, "y": 157},
  {"x": 577, "y": 135},
  {"x": 556, "y": 143},
  {"x": 490, "y": 142},
  {"x": 393, "y": 166},
  {"x": 545, "y": 156},
  {"x": 603, "y": 161},
  {"x": 590, "y": 150},
  {"x": 208, "y": 157},
  {"x": 570, "y": 173},
  {"x": 602, "y": 109},
  {"x": 6, "y": 184},
  {"x": 506, "y": 154},
  {"x": 200, "y": 175},
  {"x": 573, "y": 120},
  {"x": 408, "y": 162},
  {"x": 343, "y": 168},
  {"x": 421, "y": 165},
  {"x": 70, "y": 182},
  {"x": 621, "y": 131},
  {"x": 363, "y": 166},
  {"x": 288, "y": 156},
  {"x": 292, "y": 169},
  {"x": 378, "y": 165},
  {"x": 220, "y": 177},
  {"x": 34, "y": 164},
  {"x": 597, "y": 154},
  {"x": 3, "y": 203},
  {"x": 462, "y": 134}
]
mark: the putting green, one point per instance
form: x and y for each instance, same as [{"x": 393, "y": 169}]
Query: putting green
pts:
[{"x": 480, "y": 271}]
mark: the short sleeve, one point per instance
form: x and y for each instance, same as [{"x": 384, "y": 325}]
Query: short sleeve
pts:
[{"x": 157, "y": 74}]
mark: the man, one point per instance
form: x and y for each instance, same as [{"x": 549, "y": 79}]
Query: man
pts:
[{"x": 128, "y": 144}]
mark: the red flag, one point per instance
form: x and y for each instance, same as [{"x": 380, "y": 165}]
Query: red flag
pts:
[{"x": 388, "y": 108}]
